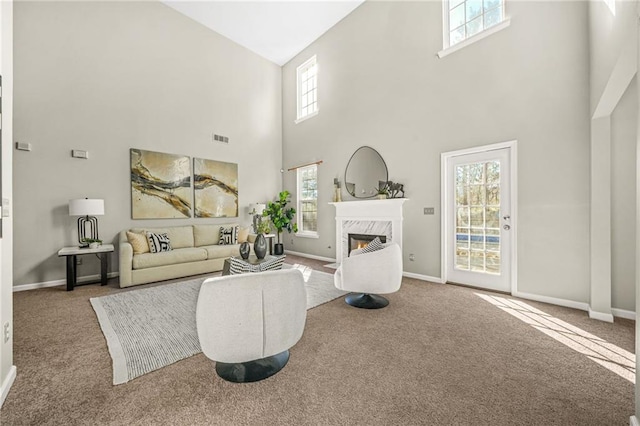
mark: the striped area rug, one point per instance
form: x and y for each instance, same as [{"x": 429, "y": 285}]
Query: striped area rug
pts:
[{"x": 150, "y": 328}]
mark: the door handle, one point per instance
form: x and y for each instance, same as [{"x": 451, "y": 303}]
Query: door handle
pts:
[{"x": 506, "y": 227}]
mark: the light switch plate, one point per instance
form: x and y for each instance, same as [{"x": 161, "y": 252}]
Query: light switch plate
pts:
[
  {"x": 78, "y": 153},
  {"x": 429, "y": 210}
]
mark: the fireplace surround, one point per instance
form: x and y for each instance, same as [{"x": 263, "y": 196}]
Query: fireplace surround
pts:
[{"x": 373, "y": 217}]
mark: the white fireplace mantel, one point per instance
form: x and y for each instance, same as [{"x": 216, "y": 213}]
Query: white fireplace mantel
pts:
[{"x": 365, "y": 214}]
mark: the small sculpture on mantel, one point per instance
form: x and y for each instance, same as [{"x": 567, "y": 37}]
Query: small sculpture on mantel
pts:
[
  {"x": 395, "y": 190},
  {"x": 337, "y": 196}
]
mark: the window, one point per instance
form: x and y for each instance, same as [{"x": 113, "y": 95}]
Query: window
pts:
[
  {"x": 464, "y": 19},
  {"x": 307, "y": 89},
  {"x": 308, "y": 201}
]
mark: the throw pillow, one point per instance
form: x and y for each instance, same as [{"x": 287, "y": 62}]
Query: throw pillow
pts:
[
  {"x": 243, "y": 235},
  {"x": 138, "y": 242},
  {"x": 374, "y": 245},
  {"x": 228, "y": 235},
  {"x": 158, "y": 242}
]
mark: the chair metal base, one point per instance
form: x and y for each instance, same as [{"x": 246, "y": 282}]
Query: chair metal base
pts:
[
  {"x": 252, "y": 371},
  {"x": 366, "y": 301}
]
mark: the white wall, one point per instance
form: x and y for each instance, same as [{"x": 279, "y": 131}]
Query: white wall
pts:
[
  {"x": 7, "y": 370},
  {"x": 381, "y": 84},
  {"x": 109, "y": 76},
  {"x": 623, "y": 200}
]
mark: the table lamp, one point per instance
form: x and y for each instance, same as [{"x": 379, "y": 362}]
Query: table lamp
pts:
[
  {"x": 256, "y": 209},
  {"x": 87, "y": 209}
]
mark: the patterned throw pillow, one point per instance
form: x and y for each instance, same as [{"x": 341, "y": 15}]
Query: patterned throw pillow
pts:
[
  {"x": 158, "y": 242},
  {"x": 239, "y": 266},
  {"x": 228, "y": 235},
  {"x": 138, "y": 242},
  {"x": 374, "y": 245}
]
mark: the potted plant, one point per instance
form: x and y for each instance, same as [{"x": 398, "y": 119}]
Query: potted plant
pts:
[
  {"x": 281, "y": 218},
  {"x": 382, "y": 192},
  {"x": 92, "y": 243}
]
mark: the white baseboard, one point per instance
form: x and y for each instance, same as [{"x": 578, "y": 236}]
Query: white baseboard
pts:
[
  {"x": 55, "y": 283},
  {"x": 310, "y": 256},
  {"x": 7, "y": 383},
  {"x": 602, "y": 316},
  {"x": 633, "y": 421},
  {"x": 431, "y": 279},
  {"x": 553, "y": 301},
  {"x": 621, "y": 313}
]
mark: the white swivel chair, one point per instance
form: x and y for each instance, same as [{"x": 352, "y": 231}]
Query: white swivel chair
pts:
[
  {"x": 248, "y": 322},
  {"x": 379, "y": 272}
]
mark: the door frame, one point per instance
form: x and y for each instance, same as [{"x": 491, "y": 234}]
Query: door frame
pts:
[{"x": 444, "y": 204}]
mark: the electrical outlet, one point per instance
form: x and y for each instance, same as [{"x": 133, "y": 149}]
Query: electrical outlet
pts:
[
  {"x": 78, "y": 261},
  {"x": 5, "y": 332},
  {"x": 429, "y": 210},
  {"x": 412, "y": 257}
]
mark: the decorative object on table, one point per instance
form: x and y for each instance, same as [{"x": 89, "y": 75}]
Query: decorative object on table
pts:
[
  {"x": 337, "y": 196},
  {"x": 215, "y": 185},
  {"x": 156, "y": 176},
  {"x": 93, "y": 243},
  {"x": 282, "y": 218},
  {"x": 366, "y": 170},
  {"x": 87, "y": 209},
  {"x": 395, "y": 190},
  {"x": 255, "y": 210},
  {"x": 245, "y": 249},
  {"x": 260, "y": 246}
]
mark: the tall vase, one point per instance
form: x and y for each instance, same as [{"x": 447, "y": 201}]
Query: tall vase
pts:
[{"x": 260, "y": 246}]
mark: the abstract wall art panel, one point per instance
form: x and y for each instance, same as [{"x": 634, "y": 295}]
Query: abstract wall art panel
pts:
[
  {"x": 160, "y": 185},
  {"x": 215, "y": 185}
]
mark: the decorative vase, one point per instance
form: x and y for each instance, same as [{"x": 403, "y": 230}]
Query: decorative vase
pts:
[
  {"x": 278, "y": 249},
  {"x": 382, "y": 196},
  {"x": 245, "y": 248},
  {"x": 260, "y": 246},
  {"x": 94, "y": 245}
]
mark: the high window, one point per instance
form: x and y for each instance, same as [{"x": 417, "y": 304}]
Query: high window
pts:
[
  {"x": 307, "y": 89},
  {"x": 308, "y": 201},
  {"x": 466, "y": 18}
]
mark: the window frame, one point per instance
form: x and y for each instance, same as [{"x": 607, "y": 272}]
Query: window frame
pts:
[
  {"x": 299, "y": 214},
  {"x": 447, "y": 48},
  {"x": 312, "y": 61}
]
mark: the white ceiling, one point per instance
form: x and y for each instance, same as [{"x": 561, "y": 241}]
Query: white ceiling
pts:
[{"x": 275, "y": 30}]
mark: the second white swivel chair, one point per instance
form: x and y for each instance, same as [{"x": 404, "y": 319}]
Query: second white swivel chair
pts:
[{"x": 370, "y": 274}]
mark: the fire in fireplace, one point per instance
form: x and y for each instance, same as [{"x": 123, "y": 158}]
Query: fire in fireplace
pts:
[{"x": 358, "y": 241}]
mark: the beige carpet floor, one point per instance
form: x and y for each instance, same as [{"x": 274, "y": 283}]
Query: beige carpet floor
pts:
[{"x": 438, "y": 354}]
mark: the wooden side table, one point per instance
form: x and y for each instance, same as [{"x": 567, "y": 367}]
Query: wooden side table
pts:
[{"x": 71, "y": 254}]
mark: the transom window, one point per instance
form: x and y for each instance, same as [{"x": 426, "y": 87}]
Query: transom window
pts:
[
  {"x": 307, "y": 89},
  {"x": 466, "y": 18},
  {"x": 308, "y": 201}
]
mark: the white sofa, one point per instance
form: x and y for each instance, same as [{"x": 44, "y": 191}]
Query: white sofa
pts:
[{"x": 195, "y": 250}]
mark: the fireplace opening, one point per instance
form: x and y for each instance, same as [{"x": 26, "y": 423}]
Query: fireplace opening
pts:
[{"x": 358, "y": 241}]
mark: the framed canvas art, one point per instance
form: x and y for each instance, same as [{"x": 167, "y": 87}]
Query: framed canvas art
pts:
[
  {"x": 215, "y": 186},
  {"x": 160, "y": 185}
]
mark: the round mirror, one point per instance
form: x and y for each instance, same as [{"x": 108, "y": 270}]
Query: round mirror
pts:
[{"x": 366, "y": 172}]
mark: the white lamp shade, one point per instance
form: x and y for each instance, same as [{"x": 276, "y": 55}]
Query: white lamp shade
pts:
[
  {"x": 257, "y": 208},
  {"x": 86, "y": 207}
]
